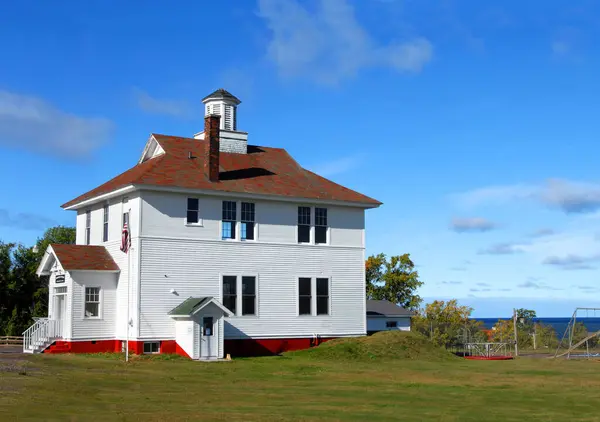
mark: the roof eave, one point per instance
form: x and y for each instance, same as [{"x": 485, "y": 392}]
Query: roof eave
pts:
[
  {"x": 267, "y": 197},
  {"x": 98, "y": 198}
]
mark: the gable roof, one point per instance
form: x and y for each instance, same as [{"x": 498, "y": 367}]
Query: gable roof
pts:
[
  {"x": 194, "y": 304},
  {"x": 84, "y": 258},
  {"x": 265, "y": 171},
  {"x": 385, "y": 308}
]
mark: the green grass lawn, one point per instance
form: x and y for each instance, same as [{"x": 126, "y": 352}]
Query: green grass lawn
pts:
[{"x": 324, "y": 385}]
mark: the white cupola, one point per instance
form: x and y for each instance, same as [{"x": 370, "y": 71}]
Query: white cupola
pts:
[{"x": 225, "y": 105}]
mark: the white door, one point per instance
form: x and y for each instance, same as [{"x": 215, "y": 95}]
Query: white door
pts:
[
  {"x": 61, "y": 310},
  {"x": 209, "y": 338}
]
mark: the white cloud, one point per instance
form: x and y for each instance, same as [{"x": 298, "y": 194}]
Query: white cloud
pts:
[
  {"x": 337, "y": 166},
  {"x": 153, "y": 105},
  {"x": 475, "y": 224},
  {"x": 32, "y": 124},
  {"x": 329, "y": 44},
  {"x": 25, "y": 221},
  {"x": 568, "y": 196},
  {"x": 502, "y": 249}
]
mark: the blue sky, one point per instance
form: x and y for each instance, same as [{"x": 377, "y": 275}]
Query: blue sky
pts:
[{"x": 474, "y": 122}]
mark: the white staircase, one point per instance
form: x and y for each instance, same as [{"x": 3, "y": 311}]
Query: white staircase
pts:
[{"x": 41, "y": 335}]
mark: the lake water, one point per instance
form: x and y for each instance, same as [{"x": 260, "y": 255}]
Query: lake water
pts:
[{"x": 559, "y": 324}]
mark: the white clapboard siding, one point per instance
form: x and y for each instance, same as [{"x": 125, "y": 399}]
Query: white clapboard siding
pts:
[
  {"x": 379, "y": 323},
  {"x": 115, "y": 220},
  {"x": 121, "y": 259},
  {"x": 164, "y": 214},
  {"x": 194, "y": 268},
  {"x": 86, "y": 328}
]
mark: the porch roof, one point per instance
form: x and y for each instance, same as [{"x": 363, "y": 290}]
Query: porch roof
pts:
[
  {"x": 78, "y": 258},
  {"x": 194, "y": 304}
]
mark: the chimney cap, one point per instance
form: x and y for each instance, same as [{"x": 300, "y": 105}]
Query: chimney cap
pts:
[{"x": 221, "y": 94}]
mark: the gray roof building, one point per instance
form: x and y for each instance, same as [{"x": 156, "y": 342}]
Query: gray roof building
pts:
[{"x": 385, "y": 308}]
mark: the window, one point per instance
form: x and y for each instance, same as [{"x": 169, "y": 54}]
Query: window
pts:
[
  {"x": 193, "y": 212},
  {"x": 391, "y": 324},
  {"x": 248, "y": 295},
  {"x": 320, "y": 225},
  {"x": 248, "y": 216},
  {"x": 151, "y": 347},
  {"x": 105, "y": 225},
  {"x": 229, "y": 218},
  {"x": 92, "y": 302},
  {"x": 305, "y": 298},
  {"x": 125, "y": 212},
  {"x": 303, "y": 224},
  {"x": 322, "y": 296},
  {"x": 88, "y": 226},
  {"x": 230, "y": 292}
]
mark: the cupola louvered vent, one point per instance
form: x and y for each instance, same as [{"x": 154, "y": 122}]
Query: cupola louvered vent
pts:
[{"x": 229, "y": 113}]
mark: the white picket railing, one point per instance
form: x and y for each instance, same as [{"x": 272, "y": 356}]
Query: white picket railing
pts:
[{"x": 41, "y": 334}]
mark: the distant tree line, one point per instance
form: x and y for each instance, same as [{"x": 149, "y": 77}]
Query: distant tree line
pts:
[
  {"x": 24, "y": 295},
  {"x": 446, "y": 323}
]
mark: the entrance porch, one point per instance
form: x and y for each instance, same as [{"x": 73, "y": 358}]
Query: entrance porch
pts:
[{"x": 199, "y": 323}]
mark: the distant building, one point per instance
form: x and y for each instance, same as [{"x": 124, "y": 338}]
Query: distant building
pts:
[{"x": 383, "y": 315}]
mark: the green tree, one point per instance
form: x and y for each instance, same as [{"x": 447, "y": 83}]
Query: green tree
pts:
[
  {"x": 395, "y": 280},
  {"x": 447, "y": 323},
  {"x": 22, "y": 293}
]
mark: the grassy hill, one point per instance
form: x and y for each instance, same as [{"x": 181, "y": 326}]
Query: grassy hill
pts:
[{"x": 387, "y": 345}]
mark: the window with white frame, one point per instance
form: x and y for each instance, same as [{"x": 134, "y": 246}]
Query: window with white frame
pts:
[
  {"x": 151, "y": 347},
  {"x": 303, "y": 224},
  {"x": 230, "y": 292},
  {"x": 322, "y": 287},
  {"x": 248, "y": 295},
  {"x": 88, "y": 226},
  {"x": 105, "y": 223},
  {"x": 228, "y": 220},
  {"x": 248, "y": 221},
  {"x": 193, "y": 211},
  {"x": 313, "y": 296},
  {"x": 125, "y": 213},
  {"x": 304, "y": 296},
  {"x": 320, "y": 225},
  {"x": 92, "y": 302},
  {"x": 239, "y": 294}
]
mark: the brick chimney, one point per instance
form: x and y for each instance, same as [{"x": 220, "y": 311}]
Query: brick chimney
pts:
[{"x": 211, "y": 137}]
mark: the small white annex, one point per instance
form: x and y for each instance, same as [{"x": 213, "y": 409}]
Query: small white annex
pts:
[
  {"x": 383, "y": 315},
  {"x": 199, "y": 323}
]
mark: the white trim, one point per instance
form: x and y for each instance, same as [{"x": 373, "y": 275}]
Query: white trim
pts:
[
  {"x": 208, "y": 192},
  {"x": 93, "y": 271},
  {"x": 266, "y": 197},
  {"x": 258, "y": 242},
  {"x": 200, "y": 222},
  {"x": 238, "y": 293},
  {"x": 216, "y": 303},
  {"x": 103, "y": 197},
  {"x": 100, "y": 301}
]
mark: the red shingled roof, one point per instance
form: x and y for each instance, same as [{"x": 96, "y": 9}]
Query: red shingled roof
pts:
[
  {"x": 266, "y": 171},
  {"x": 84, "y": 257}
]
